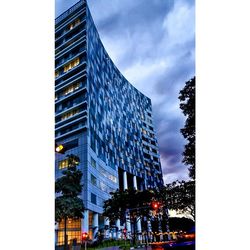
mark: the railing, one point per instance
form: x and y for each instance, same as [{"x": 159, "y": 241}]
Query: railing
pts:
[{"x": 69, "y": 11}]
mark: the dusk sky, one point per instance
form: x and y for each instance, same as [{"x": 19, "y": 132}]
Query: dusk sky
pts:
[{"x": 153, "y": 45}]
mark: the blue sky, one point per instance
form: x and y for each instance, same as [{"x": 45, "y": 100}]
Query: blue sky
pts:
[{"x": 153, "y": 45}]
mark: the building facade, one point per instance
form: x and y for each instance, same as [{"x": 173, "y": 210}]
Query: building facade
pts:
[{"x": 107, "y": 120}]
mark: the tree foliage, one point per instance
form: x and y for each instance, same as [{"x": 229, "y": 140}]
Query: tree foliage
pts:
[
  {"x": 116, "y": 207},
  {"x": 69, "y": 187},
  {"x": 133, "y": 202},
  {"x": 181, "y": 197},
  {"x": 187, "y": 105}
]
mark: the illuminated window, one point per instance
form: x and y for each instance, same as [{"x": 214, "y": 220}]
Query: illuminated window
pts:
[
  {"x": 71, "y": 88},
  {"x": 56, "y": 74},
  {"x": 71, "y": 223},
  {"x": 71, "y": 65},
  {"x": 69, "y": 114},
  {"x": 63, "y": 164},
  {"x": 75, "y": 23},
  {"x": 73, "y": 231}
]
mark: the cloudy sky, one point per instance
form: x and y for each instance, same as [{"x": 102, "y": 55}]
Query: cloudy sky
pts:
[{"x": 152, "y": 42}]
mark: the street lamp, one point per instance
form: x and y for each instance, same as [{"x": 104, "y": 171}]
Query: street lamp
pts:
[{"x": 60, "y": 149}]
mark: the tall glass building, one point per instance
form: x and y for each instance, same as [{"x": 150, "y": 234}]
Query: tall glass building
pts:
[{"x": 105, "y": 119}]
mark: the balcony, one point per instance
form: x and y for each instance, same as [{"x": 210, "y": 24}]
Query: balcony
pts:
[
  {"x": 71, "y": 58},
  {"x": 81, "y": 116},
  {"x": 59, "y": 136},
  {"x": 69, "y": 12},
  {"x": 71, "y": 74},
  {"x": 67, "y": 83},
  {"x": 65, "y": 97},
  {"x": 66, "y": 32},
  {"x": 71, "y": 47},
  {"x": 63, "y": 111}
]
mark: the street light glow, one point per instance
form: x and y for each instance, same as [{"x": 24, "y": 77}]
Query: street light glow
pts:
[{"x": 59, "y": 148}]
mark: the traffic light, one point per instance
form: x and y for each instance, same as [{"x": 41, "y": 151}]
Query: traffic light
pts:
[
  {"x": 155, "y": 205},
  {"x": 124, "y": 231},
  {"x": 85, "y": 236}
]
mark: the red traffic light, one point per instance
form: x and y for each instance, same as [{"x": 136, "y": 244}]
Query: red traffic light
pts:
[
  {"x": 124, "y": 230},
  {"x": 155, "y": 205},
  {"x": 85, "y": 236}
]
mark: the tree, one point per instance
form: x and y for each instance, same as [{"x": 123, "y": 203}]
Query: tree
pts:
[
  {"x": 134, "y": 202},
  {"x": 181, "y": 197},
  {"x": 69, "y": 187},
  {"x": 187, "y": 105}
]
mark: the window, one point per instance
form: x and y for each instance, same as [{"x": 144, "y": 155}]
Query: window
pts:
[
  {"x": 71, "y": 223},
  {"x": 93, "y": 198},
  {"x": 93, "y": 180},
  {"x": 75, "y": 23},
  {"x": 154, "y": 151},
  {"x": 63, "y": 164},
  {"x": 71, "y": 65},
  {"x": 93, "y": 163},
  {"x": 105, "y": 188},
  {"x": 108, "y": 175},
  {"x": 73, "y": 231},
  {"x": 71, "y": 88},
  {"x": 149, "y": 120},
  {"x": 69, "y": 114},
  {"x": 56, "y": 74}
]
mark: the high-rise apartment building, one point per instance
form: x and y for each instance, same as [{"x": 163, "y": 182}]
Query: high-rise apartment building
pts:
[{"x": 107, "y": 121}]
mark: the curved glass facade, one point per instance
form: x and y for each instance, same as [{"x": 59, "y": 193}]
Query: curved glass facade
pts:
[{"x": 109, "y": 120}]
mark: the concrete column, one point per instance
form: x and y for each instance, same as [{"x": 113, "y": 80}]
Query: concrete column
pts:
[
  {"x": 125, "y": 181},
  {"x": 135, "y": 182},
  {"x": 85, "y": 222},
  {"x": 150, "y": 231},
  {"x": 106, "y": 233},
  {"x": 118, "y": 225},
  {"x": 161, "y": 236},
  {"x": 138, "y": 223},
  {"x": 128, "y": 225},
  {"x": 95, "y": 225}
]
